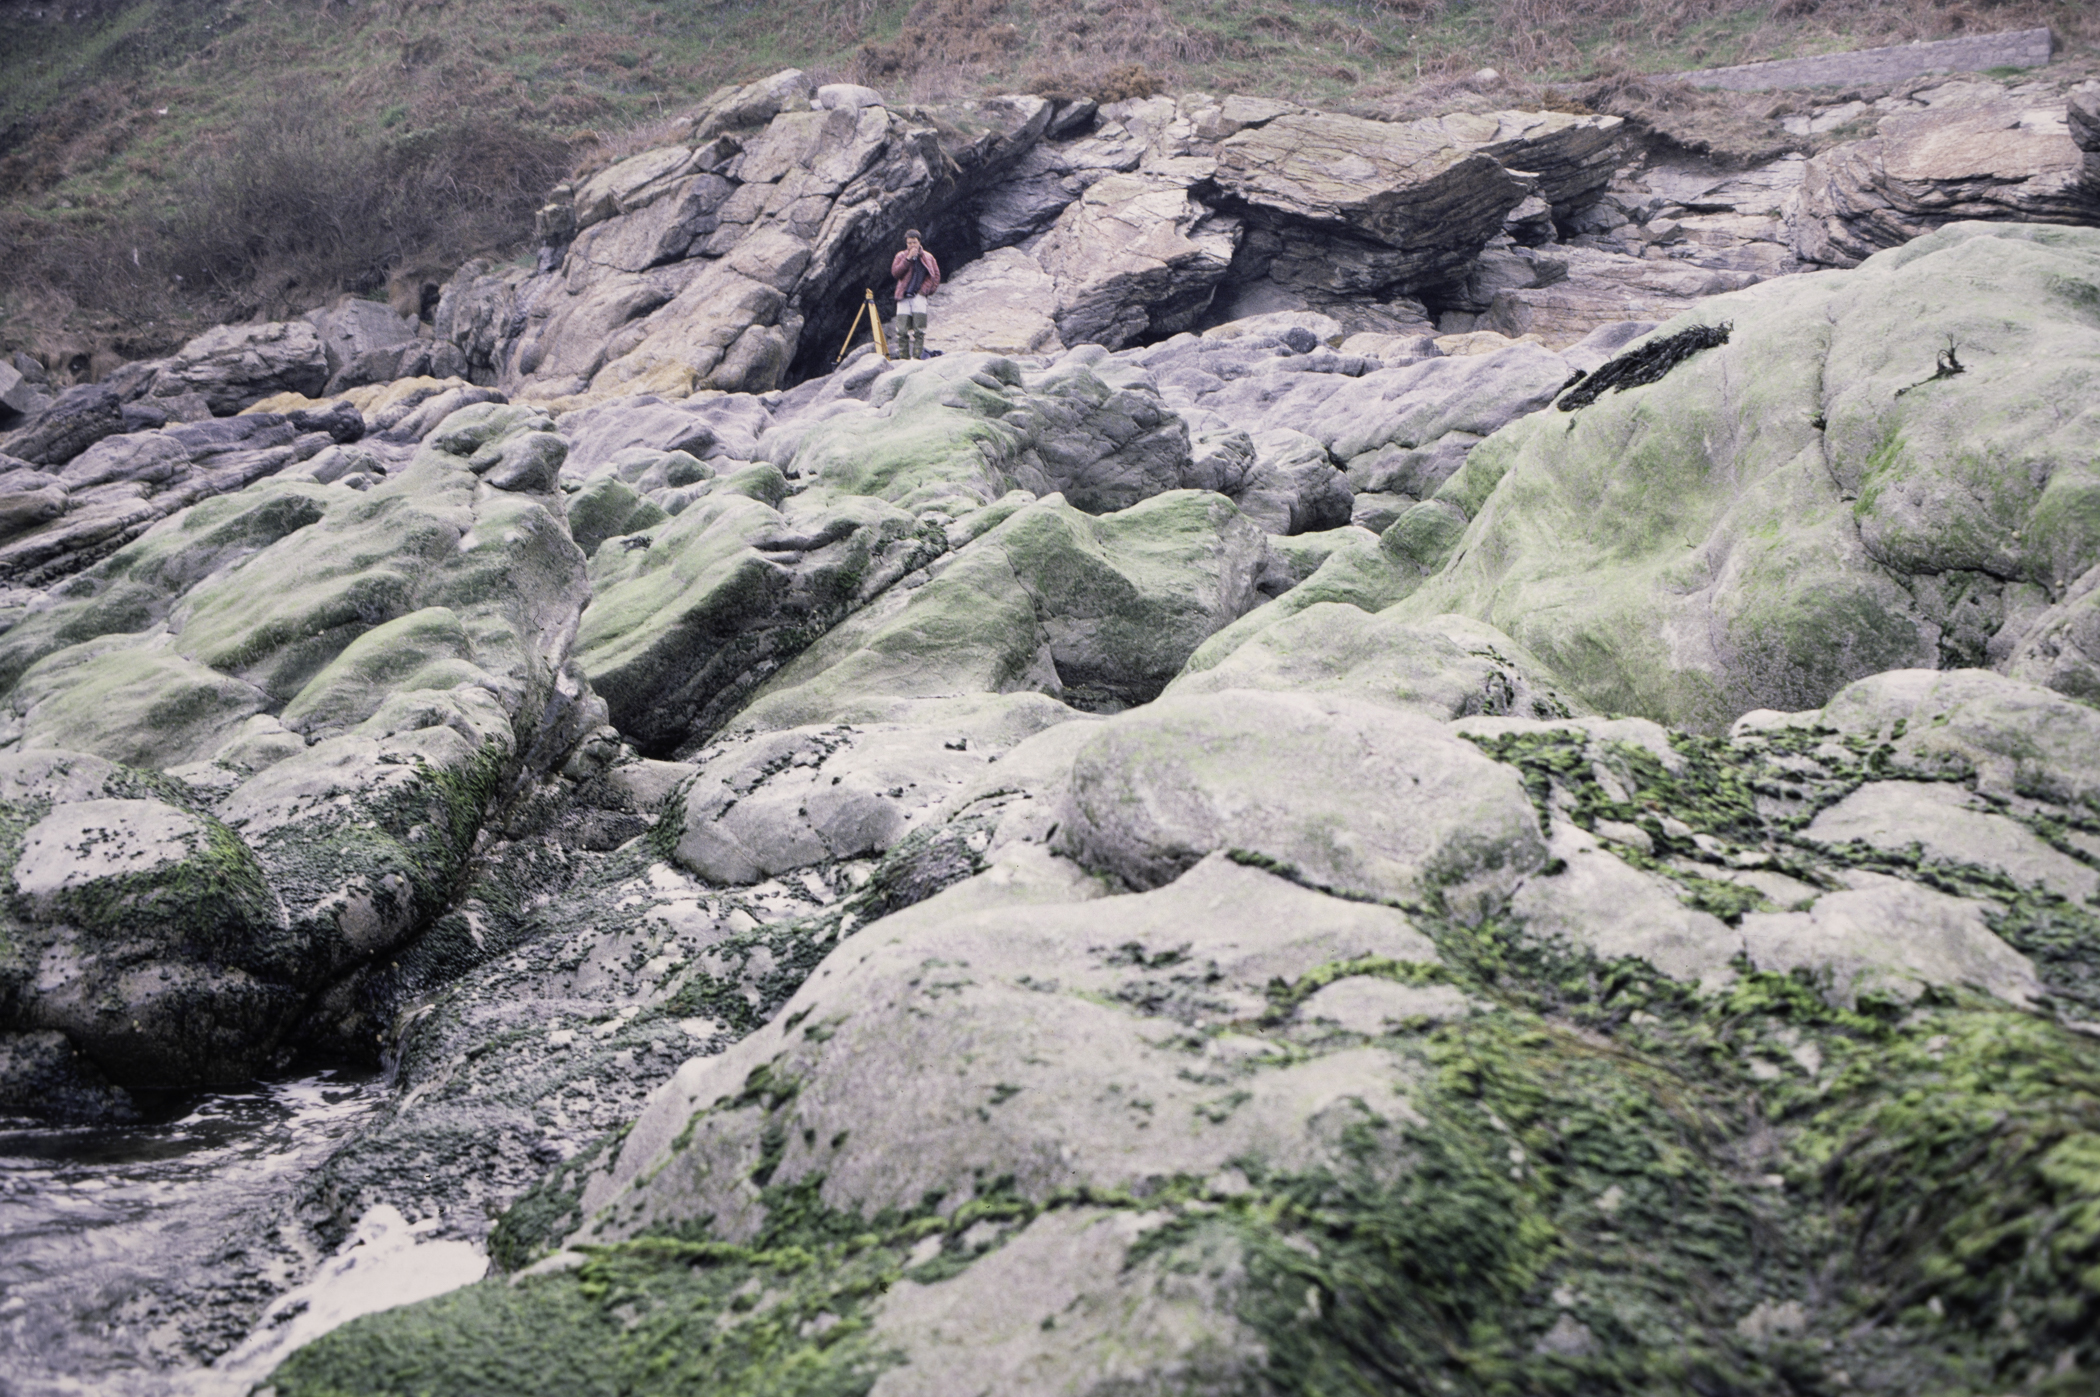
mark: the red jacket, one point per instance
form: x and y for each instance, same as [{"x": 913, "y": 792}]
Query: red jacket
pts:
[{"x": 902, "y": 261}]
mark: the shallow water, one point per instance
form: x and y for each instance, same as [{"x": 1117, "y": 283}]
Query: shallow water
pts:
[{"x": 123, "y": 1249}]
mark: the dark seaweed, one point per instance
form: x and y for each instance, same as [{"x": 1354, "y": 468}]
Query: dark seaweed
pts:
[
  {"x": 1647, "y": 364},
  {"x": 1949, "y": 366}
]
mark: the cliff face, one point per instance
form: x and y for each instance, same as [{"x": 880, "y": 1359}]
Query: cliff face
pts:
[{"x": 1314, "y": 854}]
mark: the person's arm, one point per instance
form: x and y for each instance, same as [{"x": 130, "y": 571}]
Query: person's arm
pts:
[
  {"x": 897, "y": 265},
  {"x": 933, "y": 274}
]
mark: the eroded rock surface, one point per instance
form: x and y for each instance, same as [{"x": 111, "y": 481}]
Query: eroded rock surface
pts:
[{"x": 1246, "y": 854}]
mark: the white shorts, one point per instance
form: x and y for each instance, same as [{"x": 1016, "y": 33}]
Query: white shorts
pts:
[{"x": 912, "y": 305}]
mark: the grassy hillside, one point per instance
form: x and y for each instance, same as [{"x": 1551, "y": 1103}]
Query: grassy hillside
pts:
[{"x": 164, "y": 163}]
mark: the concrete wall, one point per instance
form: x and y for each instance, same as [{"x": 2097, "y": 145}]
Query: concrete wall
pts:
[{"x": 2026, "y": 48}]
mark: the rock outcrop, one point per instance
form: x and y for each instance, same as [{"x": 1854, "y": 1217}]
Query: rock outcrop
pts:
[
  {"x": 1150, "y": 851},
  {"x": 1993, "y": 158},
  {"x": 1810, "y": 502},
  {"x": 720, "y": 262}
]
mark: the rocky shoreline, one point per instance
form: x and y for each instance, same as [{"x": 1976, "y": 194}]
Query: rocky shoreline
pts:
[{"x": 1115, "y": 858}]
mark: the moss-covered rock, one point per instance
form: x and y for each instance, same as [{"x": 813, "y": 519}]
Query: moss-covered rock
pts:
[
  {"x": 609, "y": 507},
  {"x": 343, "y": 683},
  {"x": 133, "y": 699},
  {"x": 691, "y": 615},
  {"x": 1098, "y": 611},
  {"x": 1807, "y": 503},
  {"x": 959, "y": 432},
  {"x": 1800, "y": 506}
]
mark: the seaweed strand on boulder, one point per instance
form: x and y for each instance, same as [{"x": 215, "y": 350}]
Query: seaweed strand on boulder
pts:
[{"x": 1647, "y": 364}]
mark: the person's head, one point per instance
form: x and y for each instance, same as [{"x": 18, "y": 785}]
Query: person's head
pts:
[{"x": 911, "y": 240}]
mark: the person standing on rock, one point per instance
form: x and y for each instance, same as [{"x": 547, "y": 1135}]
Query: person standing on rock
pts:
[{"x": 918, "y": 276}]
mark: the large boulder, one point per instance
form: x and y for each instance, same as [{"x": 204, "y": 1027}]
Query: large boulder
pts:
[
  {"x": 1277, "y": 778},
  {"x": 1135, "y": 256},
  {"x": 236, "y": 366},
  {"x": 1810, "y": 502},
  {"x": 1369, "y": 207},
  {"x": 1432, "y": 201},
  {"x": 690, "y": 615},
  {"x": 1114, "y": 1019},
  {"x": 354, "y": 327},
  {"x": 1100, "y": 612}
]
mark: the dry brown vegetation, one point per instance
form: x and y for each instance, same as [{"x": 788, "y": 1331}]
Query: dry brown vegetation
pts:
[{"x": 167, "y": 163}]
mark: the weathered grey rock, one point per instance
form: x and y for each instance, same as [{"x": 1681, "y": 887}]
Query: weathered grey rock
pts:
[
  {"x": 1893, "y": 938},
  {"x": 18, "y": 396},
  {"x": 28, "y": 502},
  {"x": 1596, "y": 901},
  {"x": 1398, "y": 186},
  {"x": 2000, "y": 160},
  {"x": 1572, "y": 156},
  {"x": 1371, "y": 1007},
  {"x": 159, "y": 939},
  {"x": 509, "y": 447},
  {"x": 261, "y": 601},
  {"x": 1276, "y": 775},
  {"x": 1002, "y": 303},
  {"x": 1604, "y": 288},
  {"x": 1502, "y": 269},
  {"x": 764, "y": 804},
  {"x": 1942, "y": 823},
  {"x": 1448, "y": 667},
  {"x": 412, "y": 416},
  {"x": 235, "y": 366},
  {"x": 755, "y": 103},
  {"x": 112, "y": 492},
  {"x": 414, "y": 358},
  {"x": 1136, "y": 255},
  {"x": 74, "y": 421},
  {"x": 1389, "y": 428},
  {"x": 1430, "y": 196},
  {"x": 684, "y": 277},
  {"x": 704, "y": 428},
  {"x": 1074, "y": 1299},
  {"x": 1292, "y": 487},
  {"x": 1236, "y": 929},
  {"x": 1045, "y": 181},
  {"x": 2008, "y": 736},
  {"x": 353, "y": 327},
  {"x": 2060, "y": 647}
]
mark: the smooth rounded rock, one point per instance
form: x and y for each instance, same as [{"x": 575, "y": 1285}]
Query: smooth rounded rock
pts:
[{"x": 1337, "y": 792}]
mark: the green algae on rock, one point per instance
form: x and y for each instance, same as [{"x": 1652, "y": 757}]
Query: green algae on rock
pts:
[{"x": 1770, "y": 521}]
